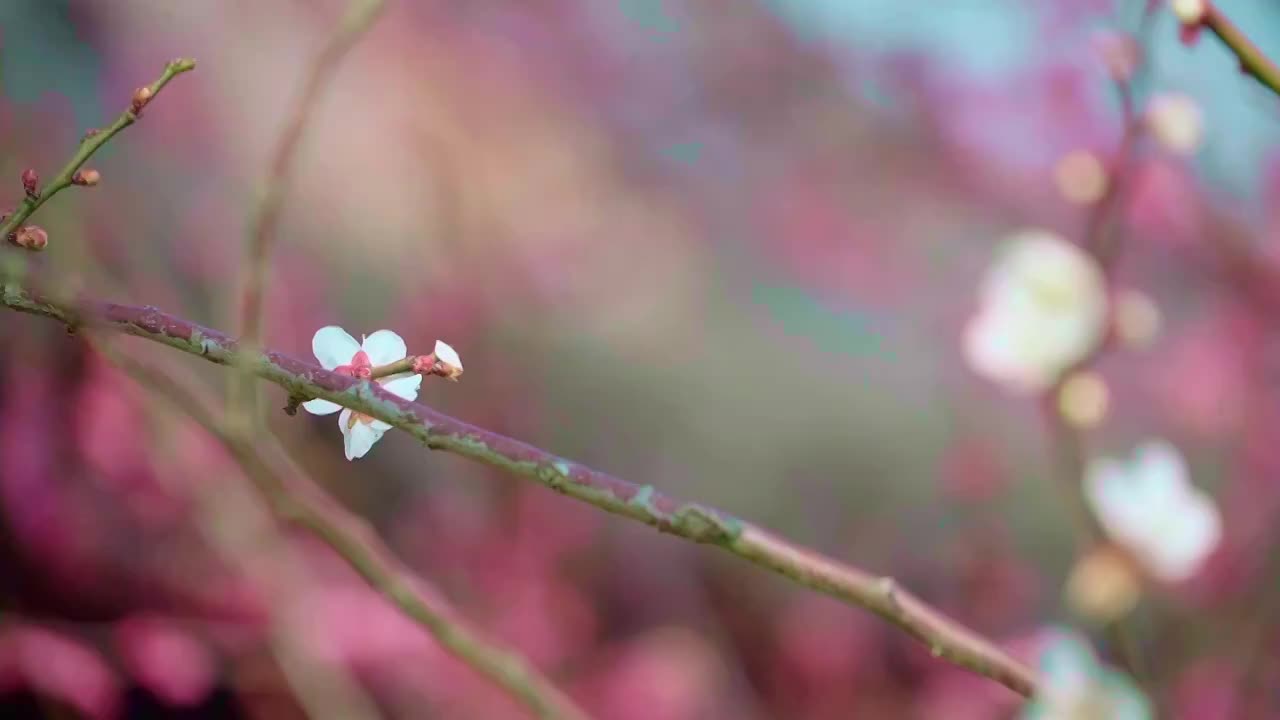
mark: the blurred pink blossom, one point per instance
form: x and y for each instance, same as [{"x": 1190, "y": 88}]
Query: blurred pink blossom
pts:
[
  {"x": 165, "y": 659},
  {"x": 51, "y": 663}
]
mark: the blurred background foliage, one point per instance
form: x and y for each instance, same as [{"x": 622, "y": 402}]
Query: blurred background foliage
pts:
[{"x": 724, "y": 248}]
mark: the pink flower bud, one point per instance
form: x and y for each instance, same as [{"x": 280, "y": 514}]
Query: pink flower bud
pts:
[
  {"x": 87, "y": 177},
  {"x": 30, "y": 237},
  {"x": 141, "y": 97},
  {"x": 30, "y": 182},
  {"x": 1119, "y": 53},
  {"x": 1189, "y": 35}
]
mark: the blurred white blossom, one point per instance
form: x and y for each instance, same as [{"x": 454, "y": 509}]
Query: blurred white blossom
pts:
[
  {"x": 1149, "y": 506},
  {"x": 1075, "y": 686},
  {"x": 1176, "y": 122},
  {"x": 1043, "y": 307},
  {"x": 338, "y": 351}
]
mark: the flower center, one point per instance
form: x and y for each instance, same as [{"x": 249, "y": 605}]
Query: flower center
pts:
[
  {"x": 359, "y": 367},
  {"x": 1054, "y": 293}
]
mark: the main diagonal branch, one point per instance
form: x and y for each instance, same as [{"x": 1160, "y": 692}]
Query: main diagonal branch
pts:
[{"x": 692, "y": 521}]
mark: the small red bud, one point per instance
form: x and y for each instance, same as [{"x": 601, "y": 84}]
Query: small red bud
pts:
[
  {"x": 1189, "y": 34},
  {"x": 90, "y": 133},
  {"x": 141, "y": 97},
  {"x": 31, "y": 237},
  {"x": 87, "y": 177},
  {"x": 30, "y": 182},
  {"x": 423, "y": 364}
]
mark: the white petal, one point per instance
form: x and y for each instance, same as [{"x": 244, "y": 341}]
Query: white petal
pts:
[
  {"x": 358, "y": 439},
  {"x": 333, "y": 347},
  {"x": 384, "y": 347},
  {"x": 1188, "y": 541},
  {"x": 446, "y": 354},
  {"x": 1068, "y": 664},
  {"x": 995, "y": 348},
  {"x": 321, "y": 407},
  {"x": 1122, "y": 504},
  {"x": 380, "y": 426},
  {"x": 405, "y": 387},
  {"x": 1162, "y": 466},
  {"x": 1125, "y": 701}
]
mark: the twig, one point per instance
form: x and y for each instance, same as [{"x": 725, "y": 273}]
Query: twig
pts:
[
  {"x": 90, "y": 145},
  {"x": 1252, "y": 60},
  {"x": 1103, "y": 242},
  {"x": 692, "y": 521},
  {"x": 295, "y": 499},
  {"x": 265, "y": 216},
  {"x": 242, "y": 530}
]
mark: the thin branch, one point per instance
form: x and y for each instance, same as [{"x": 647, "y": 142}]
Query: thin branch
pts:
[
  {"x": 242, "y": 529},
  {"x": 692, "y": 521},
  {"x": 297, "y": 500},
  {"x": 1103, "y": 241},
  {"x": 90, "y": 145},
  {"x": 1252, "y": 60},
  {"x": 265, "y": 216}
]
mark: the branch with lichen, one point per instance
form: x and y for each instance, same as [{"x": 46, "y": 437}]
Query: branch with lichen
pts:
[
  {"x": 12, "y": 228},
  {"x": 1195, "y": 15},
  {"x": 699, "y": 523},
  {"x": 294, "y": 498}
]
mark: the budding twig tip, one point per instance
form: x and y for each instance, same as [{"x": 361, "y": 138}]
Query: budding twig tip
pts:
[{"x": 31, "y": 183}]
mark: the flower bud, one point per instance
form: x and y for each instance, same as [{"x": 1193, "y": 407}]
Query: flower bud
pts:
[
  {"x": 30, "y": 237},
  {"x": 87, "y": 177},
  {"x": 1188, "y": 12},
  {"x": 1137, "y": 318},
  {"x": 447, "y": 363},
  {"x": 1103, "y": 586},
  {"x": 1083, "y": 399},
  {"x": 1189, "y": 35},
  {"x": 1081, "y": 178},
  {"x": 444, "y": 362},
  {"x": 30, "y": 182},
  {"x": 141, "y": 97},
  {"x": 1119, "y": 53},
  {"x": 1176, "y": 122}
]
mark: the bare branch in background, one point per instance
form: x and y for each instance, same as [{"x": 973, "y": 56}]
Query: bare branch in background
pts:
[
  {"x": 265, "y": 216},
  {"x": 295, "y": 499}
]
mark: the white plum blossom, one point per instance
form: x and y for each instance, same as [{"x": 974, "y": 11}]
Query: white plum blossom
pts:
[
  {"x": 1149, "y": 506},
  {"x": 338, "y": 351},
  {"x": 1043, "y": 308},
  {"x": 1075, "y": 686}
]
